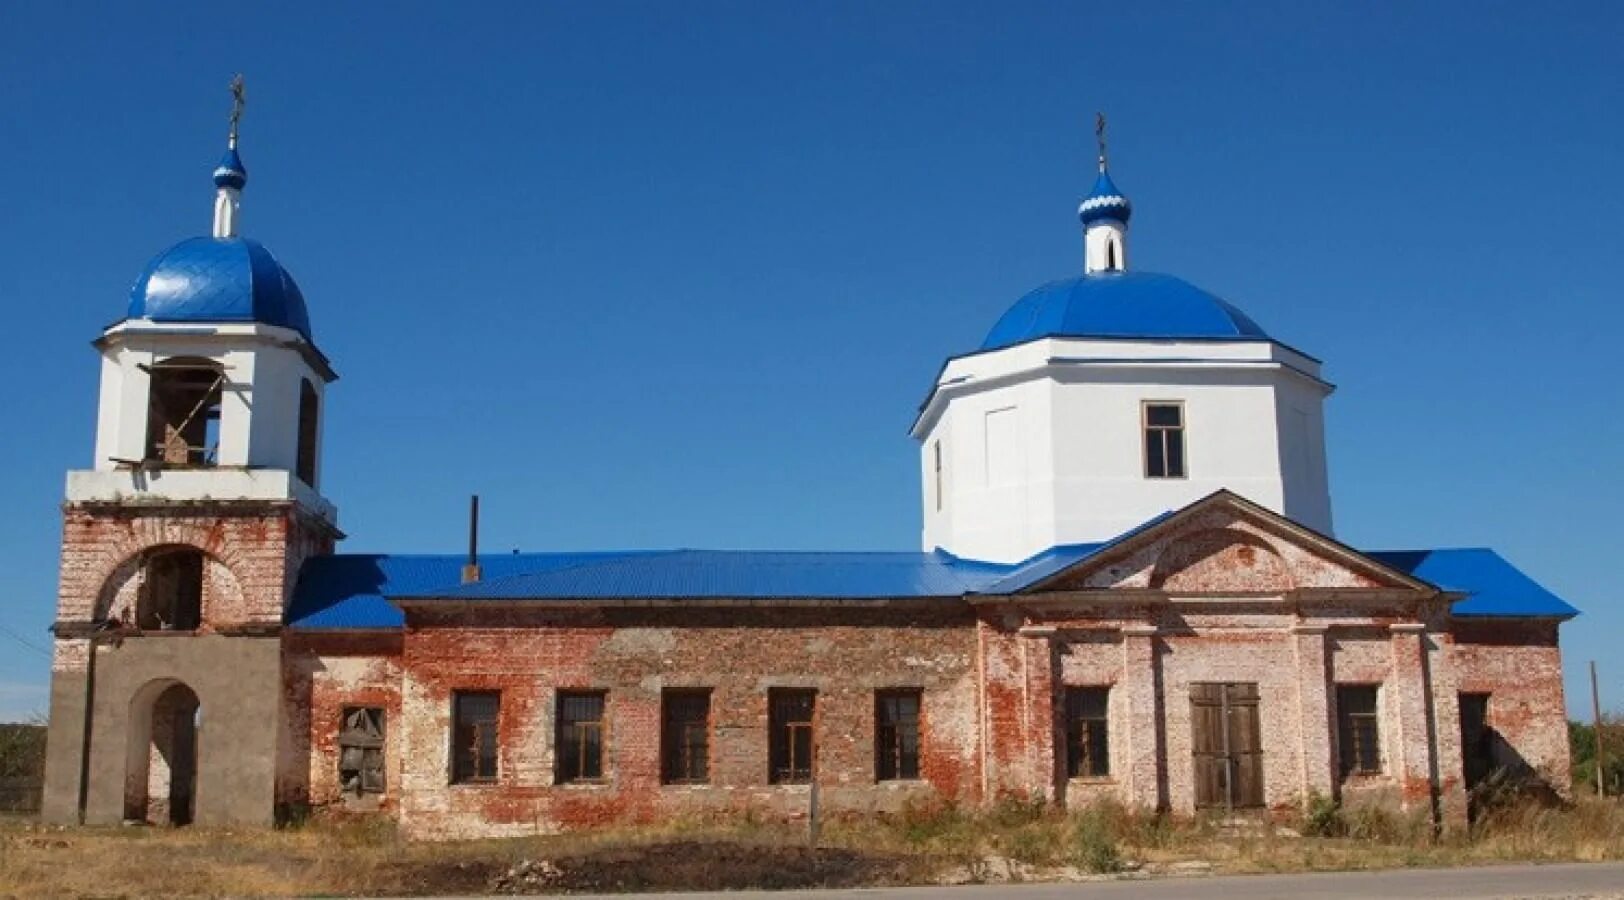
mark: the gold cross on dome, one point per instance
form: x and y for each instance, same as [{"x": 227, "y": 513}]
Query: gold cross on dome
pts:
[
  {"x": 1099, "y": 135},
  {"x": 239, "y": 99}
]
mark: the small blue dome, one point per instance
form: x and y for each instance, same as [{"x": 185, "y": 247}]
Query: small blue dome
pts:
[
  {"x": 1104, "y": 202},
  {"x": 207, "y": 279},
  {"x": 230, "y": 172},
  {"x": 1121, "y": 305}
]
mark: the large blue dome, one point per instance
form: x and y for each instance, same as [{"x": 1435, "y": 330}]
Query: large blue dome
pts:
[
  {"x": 219, "y": 280},
  {"x": 1121, "y": 305}
]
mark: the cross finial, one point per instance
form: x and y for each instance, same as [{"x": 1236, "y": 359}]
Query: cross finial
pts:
[
  {"x": 1099, "y": 135},
  {"x": 238, "y": 100}
]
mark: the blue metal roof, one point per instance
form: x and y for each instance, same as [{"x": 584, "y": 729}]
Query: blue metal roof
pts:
[
  {"x": 355, "y": 591},
  {"x": 1121, "y": 305},
  {"x": 207, "y": 279},
  {"x": 724, "y": 573},
  {"x": 1104, "y": 202},
  {"x": 351, "y": 590},
  {"x": 1493, "y": 586}
]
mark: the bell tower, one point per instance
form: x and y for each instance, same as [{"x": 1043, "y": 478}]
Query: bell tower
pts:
[{"x": 182, "y": 540}]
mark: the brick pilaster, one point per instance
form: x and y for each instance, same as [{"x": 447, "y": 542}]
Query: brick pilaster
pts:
[
  {"x": 1318, "y": 770},
  {"x": 1141, "y": 781}
]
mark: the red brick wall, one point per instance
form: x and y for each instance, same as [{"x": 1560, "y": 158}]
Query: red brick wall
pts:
[
  {"x": 1519, "y": 664},
  {"x": 738, "y": 652},
  {"x": 321, "y": 675},
  {"x": 253, "y": 552}
]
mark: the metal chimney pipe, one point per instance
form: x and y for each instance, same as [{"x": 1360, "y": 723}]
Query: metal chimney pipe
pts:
[{"x": 470, "y": 570}]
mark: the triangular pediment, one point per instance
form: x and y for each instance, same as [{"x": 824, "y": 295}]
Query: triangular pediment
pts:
[{"x": 1227, "y": 545}]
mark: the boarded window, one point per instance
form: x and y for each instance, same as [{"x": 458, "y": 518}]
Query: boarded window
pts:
[
  {"x": 580, "y": 736},
  {"x": 474, "y": 721},
  {"x": 790, "y": 742},
  {"x": 1358, "y": 729},
  {"x": 171, "y": 594},
  {"x": 1088, "y": 748},
  {"x": 1164, "y": 440},
  {"x": 896, "y": 735},
  {"x": 685, "y": 735},
  {"x": 183, "y": 411},
  {"x": 309, "y": 410},
  {"x": 360, "y": 751}
]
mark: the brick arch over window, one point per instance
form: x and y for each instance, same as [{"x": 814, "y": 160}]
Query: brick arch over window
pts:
[
  {"x": 1221, "y": 560},
  {"x": 127, "y": 593}
]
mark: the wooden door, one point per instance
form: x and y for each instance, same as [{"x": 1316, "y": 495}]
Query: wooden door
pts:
[{"x": 1227, "y": 744}]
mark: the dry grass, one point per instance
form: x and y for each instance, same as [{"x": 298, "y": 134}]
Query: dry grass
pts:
[{"x": 367, "y": 857}]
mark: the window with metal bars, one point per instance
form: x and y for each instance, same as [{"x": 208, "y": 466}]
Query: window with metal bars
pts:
[
  {"x": 685, "y": 735},
  {"x": 1164, "y": 440},
  {"x": 1088, "y": 747},
  {"x": 580, "y": 736},
  {"x": 896, "y": 735},
  {"x": 474, "y": 718},
  {"x": 791, "y": 744},
  {"x": 1358, "y": 729}
]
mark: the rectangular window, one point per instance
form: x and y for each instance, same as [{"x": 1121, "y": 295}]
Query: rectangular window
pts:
[
  {"x": 1164, "y": 440},
  {"x": 474, "y": 717},
  {"x": 896, "y": 735},
  {"x": 685, "y": 735},
  {"x": 580, "y": 736},
  {"x": 1088, "y": 750},
  {"x": 360, "y": 750},
  {"x": 790, "y": 742},
  {"x": 936, "y": 452},
  {"x": 1358, "y": 729}
]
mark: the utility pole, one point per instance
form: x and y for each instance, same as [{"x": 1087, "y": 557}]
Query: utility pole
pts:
[{"x": 1595, "y": 718}]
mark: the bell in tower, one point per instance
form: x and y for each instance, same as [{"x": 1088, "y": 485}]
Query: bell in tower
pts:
[{"x": 181, "y": 542}]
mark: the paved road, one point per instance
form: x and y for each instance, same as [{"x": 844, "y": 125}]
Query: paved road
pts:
[{"x": 1567, "y": 881}]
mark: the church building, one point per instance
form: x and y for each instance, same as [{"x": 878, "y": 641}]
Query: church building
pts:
[{"x": 1128, "y": 587}]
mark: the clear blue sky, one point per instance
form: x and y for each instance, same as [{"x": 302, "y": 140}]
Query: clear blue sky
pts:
[{"x": 677, "y": 274}]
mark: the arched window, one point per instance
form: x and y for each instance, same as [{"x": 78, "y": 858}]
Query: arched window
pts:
[
  {"x": 309, "y": 410},
  {"x": 171, "y": 597},
  {"x": 183, "y": 411},
  {"x": 1111, "y": 255}
]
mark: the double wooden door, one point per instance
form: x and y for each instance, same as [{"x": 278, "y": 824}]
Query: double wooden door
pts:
[{"x": 1227, "y": 744}]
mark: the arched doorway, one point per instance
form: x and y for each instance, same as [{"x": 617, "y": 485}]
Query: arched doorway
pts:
[{"x": 160, "y": 785}]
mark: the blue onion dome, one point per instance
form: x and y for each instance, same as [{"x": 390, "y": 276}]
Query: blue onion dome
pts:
[
  {"x": 217, "y": 280},
  {"x": 1104, "y": 202},
  {"x": 1122, "y": 304},
  {"x": 230, "y": 173}
]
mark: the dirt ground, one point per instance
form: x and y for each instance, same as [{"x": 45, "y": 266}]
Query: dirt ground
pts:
[{"x": 1013, "y": 842}]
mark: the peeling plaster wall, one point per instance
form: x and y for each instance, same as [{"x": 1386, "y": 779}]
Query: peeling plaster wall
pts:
[
  {"x": 1519, "y": 665},
  {"x": 322, "y": 674},
  {"x": 739, "y": 653}
]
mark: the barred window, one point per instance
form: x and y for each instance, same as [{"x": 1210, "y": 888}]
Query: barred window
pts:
[
  {"x": 579, "y": 755},
  {"x": 1164, "y": 440},
  {"x": 1088, "y": 750},
  {"x": 685, "y": 735},
  {"x": 790, "y": 742},
  {"x": 896, "y": 735},
  {"x": 474, "y": 717},
  {"x": 1358, "y": 730}
]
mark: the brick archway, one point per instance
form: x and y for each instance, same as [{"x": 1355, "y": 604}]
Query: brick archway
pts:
[{"x": 103, "y": 558}]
